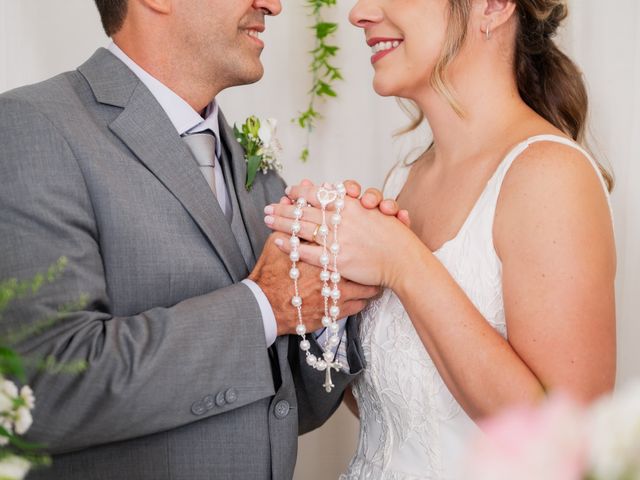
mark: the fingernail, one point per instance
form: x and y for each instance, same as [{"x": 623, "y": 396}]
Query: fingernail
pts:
[
  {"x": 268, "y": 220},
  {"x": 268, "y": 209},
  {"x": 279, "y": 242},
  {"x": 287, "y": 190}
]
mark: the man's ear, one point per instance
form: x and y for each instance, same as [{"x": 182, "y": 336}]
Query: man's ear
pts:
[{"x": 158, "y": 6}]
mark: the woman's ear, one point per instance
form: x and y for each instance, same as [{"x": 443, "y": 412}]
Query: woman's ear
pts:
[{"x": 496, "y": 13}]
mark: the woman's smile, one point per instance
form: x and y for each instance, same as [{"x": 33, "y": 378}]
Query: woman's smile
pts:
[{"x": 381, "y": 47}]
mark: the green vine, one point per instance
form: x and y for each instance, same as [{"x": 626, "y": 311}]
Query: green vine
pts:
[
  {"x": 324, "y": 73},
  {"x": 16, "y": 455}
]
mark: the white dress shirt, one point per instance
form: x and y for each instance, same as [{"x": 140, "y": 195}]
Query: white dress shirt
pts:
[{"x": 186, "y": 120}]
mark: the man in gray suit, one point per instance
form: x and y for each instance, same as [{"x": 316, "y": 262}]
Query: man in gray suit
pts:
[{"x": 186, "y": 378}]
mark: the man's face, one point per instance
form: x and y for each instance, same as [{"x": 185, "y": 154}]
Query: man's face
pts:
[{"x": 220, "y": 38}]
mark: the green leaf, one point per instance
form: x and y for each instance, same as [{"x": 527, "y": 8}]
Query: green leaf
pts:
[
  {"x": 323, "y": 29},
  {"x": 19, "y": 443},
  {"x": 253, "y": 162},
  {"x": 304, "y": 156},
  {"x": 51, "y": 365},
  {"x": 11, "y": 364},
  {"x": 324, "y": 89}
]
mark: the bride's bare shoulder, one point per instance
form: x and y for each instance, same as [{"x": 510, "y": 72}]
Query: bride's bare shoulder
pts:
[{"x": 549, "y": 189}]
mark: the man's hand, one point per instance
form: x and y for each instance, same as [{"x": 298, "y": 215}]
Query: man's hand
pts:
[{"x": 271, "y": 273}]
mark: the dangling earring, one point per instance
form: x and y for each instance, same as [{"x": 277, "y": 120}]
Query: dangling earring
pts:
[{"x": 488, "y": 30}]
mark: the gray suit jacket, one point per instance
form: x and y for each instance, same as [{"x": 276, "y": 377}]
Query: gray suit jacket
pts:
[{"x": 180, "y": 383}]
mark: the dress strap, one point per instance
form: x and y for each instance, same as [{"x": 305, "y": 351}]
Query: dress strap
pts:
[{"x": 521, "y": 147}]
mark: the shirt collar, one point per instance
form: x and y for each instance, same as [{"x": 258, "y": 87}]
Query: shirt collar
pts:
[{"x": 183, "y": 117}]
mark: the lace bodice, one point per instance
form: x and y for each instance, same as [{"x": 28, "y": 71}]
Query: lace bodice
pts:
[{"x": 411, "y": 427}]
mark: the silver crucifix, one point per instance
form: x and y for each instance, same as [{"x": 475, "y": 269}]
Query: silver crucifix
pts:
[{"x": 328, "y": 384}]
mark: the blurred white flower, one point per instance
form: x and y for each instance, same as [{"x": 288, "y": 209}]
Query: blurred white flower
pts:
[
  {"x": 267, "y": 131},
  {"x": 23, "y": 420},
  {"x": 9, "y": 388},
  {"x": 13, "y": 468},
  {"x": 614, "y": 432},
  {"x": 28, "y": 397},
  {"x": 6, "y": 403}
]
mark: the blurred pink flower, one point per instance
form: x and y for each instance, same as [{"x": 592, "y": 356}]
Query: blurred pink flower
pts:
[{"x": 531, "y": 443}]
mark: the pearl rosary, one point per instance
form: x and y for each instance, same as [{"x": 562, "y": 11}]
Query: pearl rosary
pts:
[{"x": 326, "y": 196}]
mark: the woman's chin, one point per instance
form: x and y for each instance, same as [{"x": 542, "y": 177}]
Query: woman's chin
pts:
[{"x": 384, "y": 88}]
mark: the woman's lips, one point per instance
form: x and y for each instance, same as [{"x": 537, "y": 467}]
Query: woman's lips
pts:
[{"x": 382, "y": 47}]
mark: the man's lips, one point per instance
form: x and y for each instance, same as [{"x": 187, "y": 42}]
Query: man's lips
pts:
[
  {"x": 253, "y": 32},
  {"x": 381, "y": 46}
]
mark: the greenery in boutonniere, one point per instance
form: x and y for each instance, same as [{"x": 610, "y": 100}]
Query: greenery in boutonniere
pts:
[
  {"x": 324, "y": 73},
  {"x": 16, "y": 404},
  {"x": 261, "y": 147}
]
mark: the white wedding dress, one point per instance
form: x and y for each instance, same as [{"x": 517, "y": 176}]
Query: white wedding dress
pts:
[{"x": 411, "y": 427}]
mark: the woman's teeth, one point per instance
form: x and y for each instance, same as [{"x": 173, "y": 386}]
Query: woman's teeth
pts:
[
  {"x": 382, "y": 46},
  {"x": 253, "y": 33}
]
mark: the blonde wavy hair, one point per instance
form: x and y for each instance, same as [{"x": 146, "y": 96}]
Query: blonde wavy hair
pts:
[{"x": 548, "y": 80}]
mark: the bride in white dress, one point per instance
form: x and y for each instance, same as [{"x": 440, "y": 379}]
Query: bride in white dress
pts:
[{"x": 503, "y": 287}]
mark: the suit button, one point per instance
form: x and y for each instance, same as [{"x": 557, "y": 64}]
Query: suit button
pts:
[
  {"x": 208, "y": 402},
  {"x": 231, "y": 395},
  {"x": 220, "y": 401},
  {"x": 282, "y": 409},
  {"x": 198, "y": 408}
]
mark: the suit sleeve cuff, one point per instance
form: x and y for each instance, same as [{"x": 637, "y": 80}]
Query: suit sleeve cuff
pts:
[{"x": 268, "y": 317}]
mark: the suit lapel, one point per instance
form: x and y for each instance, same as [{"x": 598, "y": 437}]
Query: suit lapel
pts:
[
  {"x": 250, "y": 202},
  {"x": 147, "y": 131}
]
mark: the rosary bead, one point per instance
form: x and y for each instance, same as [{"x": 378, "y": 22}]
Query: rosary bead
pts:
[{"x": 326, "y": 195}]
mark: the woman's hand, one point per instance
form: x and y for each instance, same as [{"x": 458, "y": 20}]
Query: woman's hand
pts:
[
  {"x": 371, "y": 198},
  {"x": 374, "y": 247}
]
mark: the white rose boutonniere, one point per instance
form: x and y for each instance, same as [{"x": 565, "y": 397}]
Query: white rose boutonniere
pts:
[{"x": 261, "y": 147}]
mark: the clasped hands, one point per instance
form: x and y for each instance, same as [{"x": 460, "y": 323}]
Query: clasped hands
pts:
[{"x": 367, "y": 234}]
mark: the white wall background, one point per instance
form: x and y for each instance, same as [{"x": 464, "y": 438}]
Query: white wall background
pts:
[{"x": 39, "y": 38}]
